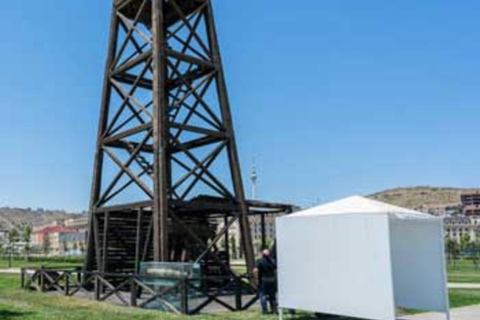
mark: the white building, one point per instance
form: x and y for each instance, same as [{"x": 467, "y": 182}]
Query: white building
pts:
[{"x": 458, "y": 226}]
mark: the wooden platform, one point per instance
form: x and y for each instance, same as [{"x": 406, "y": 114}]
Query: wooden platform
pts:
[{"x": 130, "y": 9}]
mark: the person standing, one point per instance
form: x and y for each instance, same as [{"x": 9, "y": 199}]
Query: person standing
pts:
[{"x": 266, "y": 275}]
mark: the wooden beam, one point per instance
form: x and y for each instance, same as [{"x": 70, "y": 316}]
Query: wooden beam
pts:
[{"x": 160, "y": 136}]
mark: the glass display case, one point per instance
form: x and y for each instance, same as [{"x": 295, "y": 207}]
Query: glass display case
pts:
[{"x": 168, "y": 276}]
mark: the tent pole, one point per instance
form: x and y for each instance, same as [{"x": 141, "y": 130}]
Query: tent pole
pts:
[
  {"x": 444, "y": 268},
  {"x": 280, "y": 313}
]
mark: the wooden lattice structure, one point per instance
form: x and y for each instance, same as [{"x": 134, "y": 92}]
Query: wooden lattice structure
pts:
[{"x": 167, "y": 184}]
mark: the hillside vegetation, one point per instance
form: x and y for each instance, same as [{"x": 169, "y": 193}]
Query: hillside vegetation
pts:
[
  {"x": 422, "y": 197},
  {"x": 15, "y": 217}
]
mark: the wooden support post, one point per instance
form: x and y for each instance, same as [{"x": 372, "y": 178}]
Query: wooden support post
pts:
[
  {"x": 92, "y": 242},
  {"x": 42, "y": 279},
  {"x": 106, "y": 220},
  {"x": 160, "y": 136},
  {"x": 238, "y": 294},
  {"x": 80, "y": 279},
  {"x": 67, "y": 283},
  {"x": 97, "y": 286},
  {"x": 232, "y": 148},
  {"x": 23, "y": 279},
  {"x": 264, "y": 231},
  {"x": 184, "y": 296},
  {"x": 133, "y": 292},
  {"x": 96, "y": 237},
  {"x": 227, "y": 240},
  {"x": 138, "y": 240}
]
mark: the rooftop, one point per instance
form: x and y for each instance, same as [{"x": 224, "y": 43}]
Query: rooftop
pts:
[{"x": 55, "y": 230}]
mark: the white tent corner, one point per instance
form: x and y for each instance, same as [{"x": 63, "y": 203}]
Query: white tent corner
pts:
[{"x": 361, "y": 258}]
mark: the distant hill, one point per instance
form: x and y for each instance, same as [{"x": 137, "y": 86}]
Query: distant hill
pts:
[
  {"x": 422, "y": 197},
  {"x": 16, "y": 217}
]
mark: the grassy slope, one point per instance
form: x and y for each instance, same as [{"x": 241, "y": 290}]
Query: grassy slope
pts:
[
  {"x": 422, "y": 197},
  {"x": 20, "y": 305},
  {"x": 464, "y": 297},
  {"x": 463, "y": 272},
  {"x": 10, "y": 217},
  {"x": 37, "y": 262}
]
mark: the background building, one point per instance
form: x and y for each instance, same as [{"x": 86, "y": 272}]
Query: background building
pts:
[
  {"x": 79, "y": 224},
  {"x": 471, "y": 204},
  {"x": 456, "y": 227},
  {"x": 73, "y": 243},
  {"x": 62, "y": 237},
  {"x": 467, "y": 223},
  {"x": 48, "y": 225},
  {"x": 3, "y": 236},
  {"x": 48, "y": 239}
]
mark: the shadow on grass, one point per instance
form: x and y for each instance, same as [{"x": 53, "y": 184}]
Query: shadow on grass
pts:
[
  {"x": 318, "y": 317},
  {"x": 7, "y": 315},
  {"x": 321, "y": 317}
]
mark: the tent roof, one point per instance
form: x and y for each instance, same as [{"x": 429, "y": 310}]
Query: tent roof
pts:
[{"x": 360, "y": 205}]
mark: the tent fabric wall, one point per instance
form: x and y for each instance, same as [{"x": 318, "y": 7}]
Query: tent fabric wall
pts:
[
  {"x": 323, "y": 265},
  {"x": 416, "y": 247},
  {"x": 361, "y": 258}
]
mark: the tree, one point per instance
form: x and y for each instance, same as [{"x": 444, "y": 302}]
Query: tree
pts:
[
  {"x": 46, "y": 245},
  {"x": 12, "y": 239},
  {"x": 233, "y": 246},
  {"x": 465, "y": 241},
  {"x": 82, "y": 247},
  {"x": 26, "y": 238},
  {"x": 223, "y": 244},
  {"x": 65, "y": 247},
  {"x": 257, "y": 246},
  {"x": 269, "y": 242},
  {"x": 474, "y": 249},
  {"x": 453, "y": 249},
  {"x": 75, "y": 247}
]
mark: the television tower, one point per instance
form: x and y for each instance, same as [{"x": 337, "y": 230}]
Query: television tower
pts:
[{"x": 254, "y": 178}]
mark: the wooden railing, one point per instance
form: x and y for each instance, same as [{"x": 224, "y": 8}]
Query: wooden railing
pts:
[{"x": 186, "y": 296}]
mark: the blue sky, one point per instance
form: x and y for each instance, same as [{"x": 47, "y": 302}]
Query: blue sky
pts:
[{"x": 331, "y": 98}]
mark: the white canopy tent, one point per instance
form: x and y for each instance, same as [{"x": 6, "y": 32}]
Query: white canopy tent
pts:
[{"x": 361, "y": 258}]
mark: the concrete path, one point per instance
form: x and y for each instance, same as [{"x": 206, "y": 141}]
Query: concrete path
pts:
[
  {"x": 465, "y": 313},
  {"x": 10, "y": 271},
  {"x": 464, "y": 286}
]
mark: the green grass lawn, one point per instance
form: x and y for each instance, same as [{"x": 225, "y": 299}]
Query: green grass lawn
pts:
[
  {"x": 464, "y": 297},
  {"x": 34, "y": 262},
  {"x": 463, "y": 271},
  {"x": 16, "y": 304}
]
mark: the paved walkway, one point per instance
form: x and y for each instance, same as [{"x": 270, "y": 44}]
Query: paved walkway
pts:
[
  {"x": 10, "y": 271},
  {"x": 465, "y": 313},
  {"x": 464, "y": 286}
]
